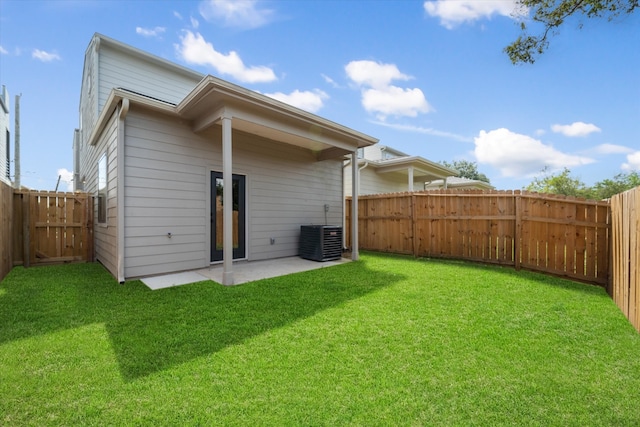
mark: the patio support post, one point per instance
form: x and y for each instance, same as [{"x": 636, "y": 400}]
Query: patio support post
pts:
[
  {"x": 227, "y": 202},
  {"x": 410, "y": 178},
  {"x": 355, "y": 185}
]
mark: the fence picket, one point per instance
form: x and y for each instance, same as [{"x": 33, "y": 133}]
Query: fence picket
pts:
[
  {"x": 557, "y": 235},
  {"x": 625, "y": 280},
  {"x": 52, "y": 227}
]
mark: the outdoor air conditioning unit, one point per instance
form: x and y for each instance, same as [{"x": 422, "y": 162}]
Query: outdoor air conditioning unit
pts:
[{"x": 320, "y": 242}]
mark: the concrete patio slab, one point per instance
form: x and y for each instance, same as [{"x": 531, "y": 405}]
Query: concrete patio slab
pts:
[
  {"x": 243, "y": 271},
  {"x": 169, "y": 280},
  {"x": 249, "y": 271}
]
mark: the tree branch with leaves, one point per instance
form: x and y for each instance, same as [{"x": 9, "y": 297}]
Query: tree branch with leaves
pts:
[{"x": 552, "y": 14}]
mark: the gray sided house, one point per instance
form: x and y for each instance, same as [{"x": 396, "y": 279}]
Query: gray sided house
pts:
[
  {"x": 158, "y": 145},
  {"x": 383, "y": 169},
  {"x": 5, "y": 138}
]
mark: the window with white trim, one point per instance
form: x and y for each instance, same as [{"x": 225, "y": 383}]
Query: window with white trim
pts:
[{"x": 102, "y": 189}]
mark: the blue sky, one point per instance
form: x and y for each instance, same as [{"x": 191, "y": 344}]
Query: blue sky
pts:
[{"x": 426, "y": 77}]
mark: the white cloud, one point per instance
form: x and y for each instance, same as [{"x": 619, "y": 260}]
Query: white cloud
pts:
[
  {"x": 150, "y": 32},
  {"x": 194, "y": 49},
  {"x": 330, "y": 81},
  {"x": 575, "y": 129},
  {"x": 66, "y": 177},
  {"x": 194, "y": 22},
  {"x": 45, "y": 56},
  {"x": 382, "y": 98},
  {"x": 3, "y": 51},
  {"x": 311, "y": 101},
  {"x": 517, "y": 155},
  {"x": 243, "y": 14},
  {"x": 395, "y": 101},
  {"x": 455, "y": 12},
  {"x": 611, "y": 149},
  {"x": 426, "y": 131},
  {"x": 633, "y": 161},
  {"x": 177, "y": 15},
  {"x": 374, "y": 74}
]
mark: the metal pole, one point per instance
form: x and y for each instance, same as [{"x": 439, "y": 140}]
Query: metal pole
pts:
[
  {"x": 16, "y": 139},
  {"x": 355, "y": 181}
]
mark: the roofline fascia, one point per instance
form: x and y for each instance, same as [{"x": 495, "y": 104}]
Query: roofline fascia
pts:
[
  {"x": 393, "y": 151},
  {"x": 412, "y": 161},
  {"x": 114, "y": 99},
  {"x": 262, "y": 101}
]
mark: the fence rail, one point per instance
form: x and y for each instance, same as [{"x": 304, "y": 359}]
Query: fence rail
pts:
[{"x": 553, "y": 234}]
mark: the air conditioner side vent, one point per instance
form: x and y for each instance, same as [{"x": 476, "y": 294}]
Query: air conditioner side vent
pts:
[{"x": 320, "y": 242}]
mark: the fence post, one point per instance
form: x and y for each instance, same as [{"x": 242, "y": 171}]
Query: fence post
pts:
[
  {"x": 518, "y": 231},
  {"x": 26, "y": 222},
  {"x": 414, "y": 225},
  {"x": 90, "y": 220}
]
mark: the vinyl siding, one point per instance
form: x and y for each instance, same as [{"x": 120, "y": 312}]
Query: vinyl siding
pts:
[
  {"x": 5, "y": 144},
  {"x": 119, "y": 69},
  {"x": 88, "y": 97},
  {"x": 167, "y": 190},
  {"x": 114, "y": 68},
  {"x": 372, "y": 152},
  {"x": 105, "y": 235},
  {"x": 372, "y": 182}
]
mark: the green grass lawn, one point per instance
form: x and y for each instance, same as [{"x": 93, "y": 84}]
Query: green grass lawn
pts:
[{"x": 388, "y": 340}]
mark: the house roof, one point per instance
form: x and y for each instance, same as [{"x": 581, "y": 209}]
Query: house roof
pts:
[
  {"x": 261, "y": 115},
  {"x": 393, "y": 151},
  {"x": 423, "y": 170},
  {"x": 4, "y": 102},
  {"x": 213, "y": 98},
  {"x": 459, "y": 182}
]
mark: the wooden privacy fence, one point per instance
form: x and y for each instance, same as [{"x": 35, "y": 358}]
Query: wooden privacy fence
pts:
[
  {"x": 625, "y": 282},
  {"x": 6, "y": 223},
  {"x": 52, "y": 227},
  {"x": 220, "y": 228},
  {"x": 553, "y": 234}
]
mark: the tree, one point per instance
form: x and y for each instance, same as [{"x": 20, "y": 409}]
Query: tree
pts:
[
  {"x": 609, "y": 187},
  {"x": 564, "y": 183},
  {"x": 466, "y": 169},
  {"x": 560, "y": 183},
  {"x": 552, "y": 14}
]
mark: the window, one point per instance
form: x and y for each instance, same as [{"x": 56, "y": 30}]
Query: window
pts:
[
  {"x": 387, "y": 155},
  {"x": 102, "y": 189}
]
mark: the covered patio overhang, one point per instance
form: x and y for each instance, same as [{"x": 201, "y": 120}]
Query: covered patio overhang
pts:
[
  {"x": 414, "y": 168},
  {"x": 215, "y": 102}
]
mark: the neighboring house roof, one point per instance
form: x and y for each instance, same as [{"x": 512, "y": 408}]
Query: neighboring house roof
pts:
[
  {"x": 392, "y": 151},
  {"x": 4, "y": 101},
  {"x": 459, "y": 183},
  {"x": 423, "y": 170}
]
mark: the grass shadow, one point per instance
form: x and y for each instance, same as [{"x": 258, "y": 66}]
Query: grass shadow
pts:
[{"x": 153, "y": 330}]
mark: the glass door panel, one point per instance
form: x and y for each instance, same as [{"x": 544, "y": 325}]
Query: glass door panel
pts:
[{"x": 217, "y": 217}]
